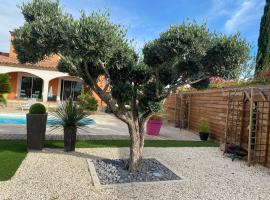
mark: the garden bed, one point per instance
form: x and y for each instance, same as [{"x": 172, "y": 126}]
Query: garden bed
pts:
[{"x": 114, "y": 171}]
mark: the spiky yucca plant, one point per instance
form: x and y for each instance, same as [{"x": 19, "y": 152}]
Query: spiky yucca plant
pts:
[{"x": 70, "y": 116}]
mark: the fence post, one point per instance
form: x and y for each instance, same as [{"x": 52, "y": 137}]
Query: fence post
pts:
[
  {"x": 250, "y": 125},
  {"x": 189, "y": 112},
  {"x": 227, "y": 117},
  {"x": 268, "y": 134},
  {"x": 175, "y": 110}
]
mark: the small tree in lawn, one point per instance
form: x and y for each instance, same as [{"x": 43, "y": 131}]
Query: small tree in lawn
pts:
[{"x": 93, "y": 45}]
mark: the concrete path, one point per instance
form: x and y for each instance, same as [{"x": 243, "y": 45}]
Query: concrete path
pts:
[{"x": 107, "y": 127}]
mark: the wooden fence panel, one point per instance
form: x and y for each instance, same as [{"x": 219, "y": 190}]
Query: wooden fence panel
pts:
[{"x": 211, "y": 105}]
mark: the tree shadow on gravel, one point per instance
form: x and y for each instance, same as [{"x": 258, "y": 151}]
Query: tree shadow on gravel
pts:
[{"x": 75, "y": 153}]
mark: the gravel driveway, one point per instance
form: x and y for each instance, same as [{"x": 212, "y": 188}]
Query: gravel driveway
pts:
[{"x": 52, "y": 174}]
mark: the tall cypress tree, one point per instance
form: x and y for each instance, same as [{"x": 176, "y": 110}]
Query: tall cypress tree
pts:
[{"x": 263, "y": 55}]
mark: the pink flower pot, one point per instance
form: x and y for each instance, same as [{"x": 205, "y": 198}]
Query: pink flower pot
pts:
[{"x": 153, "y": 127}]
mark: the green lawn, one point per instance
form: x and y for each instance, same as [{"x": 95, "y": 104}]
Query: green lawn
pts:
[
  {"x": 12, "y": 152},
  {"x": 126, "y": 143}
]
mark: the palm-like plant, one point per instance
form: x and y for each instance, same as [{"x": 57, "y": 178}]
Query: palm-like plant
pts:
[{"x": 70, "y": 116}]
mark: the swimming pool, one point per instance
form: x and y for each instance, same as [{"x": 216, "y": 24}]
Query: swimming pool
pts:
[{"x": 9, "y": 119}]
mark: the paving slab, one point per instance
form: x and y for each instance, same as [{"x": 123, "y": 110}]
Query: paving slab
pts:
[{"x": 107, "y": 126}]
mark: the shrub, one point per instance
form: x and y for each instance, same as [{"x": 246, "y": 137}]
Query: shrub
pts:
[
  {"x": 203, "y": 126},
  {"x": 87, "y": 101},
  {"x": 37, "y": 108},
  {"x": 4, "y": 84},
  {"x": 156, "y": 117}
]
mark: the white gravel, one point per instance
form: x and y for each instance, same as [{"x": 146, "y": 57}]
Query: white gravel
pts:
[{"x": 52, "y": 174}]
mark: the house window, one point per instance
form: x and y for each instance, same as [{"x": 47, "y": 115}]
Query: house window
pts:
[
  {"x": 31, "y": 87},
  {"x": 70, "y": 89}
]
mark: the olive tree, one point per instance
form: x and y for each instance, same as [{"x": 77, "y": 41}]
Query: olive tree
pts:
[{"x": 93, "y": 45}]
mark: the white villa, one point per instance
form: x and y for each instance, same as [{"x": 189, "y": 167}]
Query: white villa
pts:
[{"x": 41, "y": 81}]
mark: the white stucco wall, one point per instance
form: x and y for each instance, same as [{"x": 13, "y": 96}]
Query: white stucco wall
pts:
[{"x": 45, "y": 75}]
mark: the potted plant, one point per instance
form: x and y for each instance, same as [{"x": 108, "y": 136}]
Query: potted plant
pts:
[
  {"x": 154, "y": 124},
  {"x": 203, "y": 129},
  {"x": 36, "y": 126},
  {"x": 70, "y": 116}
]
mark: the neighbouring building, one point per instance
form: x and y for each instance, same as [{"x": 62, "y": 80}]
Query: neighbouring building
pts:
[{"x": 41, "y": 81}]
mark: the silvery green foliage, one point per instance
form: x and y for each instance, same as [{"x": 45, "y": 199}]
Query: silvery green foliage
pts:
[{"x": 93, "y": 45}]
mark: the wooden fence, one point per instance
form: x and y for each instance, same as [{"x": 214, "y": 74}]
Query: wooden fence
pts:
[{"x": 229, "y": 113}]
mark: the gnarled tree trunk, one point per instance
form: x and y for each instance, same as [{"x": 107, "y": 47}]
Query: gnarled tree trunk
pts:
[{"x": 136, "y": 132}]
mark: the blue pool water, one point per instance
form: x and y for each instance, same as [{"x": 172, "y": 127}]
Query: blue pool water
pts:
[{"x": 21, "y": 119}]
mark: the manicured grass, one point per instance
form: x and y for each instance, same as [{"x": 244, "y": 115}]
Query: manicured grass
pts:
[
  {"x": 12, "y": 153},
  {"x": 126, "y": 143}
]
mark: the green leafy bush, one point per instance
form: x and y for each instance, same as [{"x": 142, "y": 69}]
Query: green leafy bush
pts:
[
  {"x": 4, "y": 84},
  {"x": 156, "y": 117},
  {"x": 4, "y": 88},
  {"x": 203, "y": 126},
  {"x": 240, "y": 83},
  {"x": 37, "y": 108},
  {"x": 87, "y": 101}
]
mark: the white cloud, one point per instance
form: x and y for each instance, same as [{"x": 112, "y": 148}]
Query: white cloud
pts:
[
  {"x": 244, "y": 15},
  {"x": 218, "y": 9}
]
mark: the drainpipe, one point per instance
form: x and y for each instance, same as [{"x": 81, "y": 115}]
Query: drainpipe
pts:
[{"x": 45, "y": 90}]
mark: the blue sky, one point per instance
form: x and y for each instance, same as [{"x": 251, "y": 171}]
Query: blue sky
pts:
[{"x": 145, "y": 19}]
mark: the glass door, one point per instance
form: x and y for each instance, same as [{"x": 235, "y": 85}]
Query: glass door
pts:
[
  {"x": 31, "y": 87},
  {"x": 37, "y": 88},
  {"x": 70, "y": 89},
  {"x": 26, "y": 87},
  {"x": 77, "y": 88}
]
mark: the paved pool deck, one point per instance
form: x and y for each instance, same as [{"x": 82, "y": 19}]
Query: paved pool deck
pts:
[{"x": 107, "y": 127}]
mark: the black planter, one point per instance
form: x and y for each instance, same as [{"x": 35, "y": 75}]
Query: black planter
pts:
[
  {"x": 36, "y": 129},
  {"x": 70, "y": 138},
  {"x": 204, "y": 136}
]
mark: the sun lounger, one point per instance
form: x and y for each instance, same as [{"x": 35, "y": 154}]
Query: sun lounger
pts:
[{"x": 28, "y": 104}]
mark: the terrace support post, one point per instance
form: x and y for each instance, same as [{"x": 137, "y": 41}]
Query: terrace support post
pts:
[
  {"x": 45, "y": 90},
  {"x": 250, "y": 125}
]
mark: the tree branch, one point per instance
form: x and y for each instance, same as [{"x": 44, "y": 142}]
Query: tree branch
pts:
[
  {"x": 106, "y": 71},
  {"x": 180, "y": 83},
  {"x": 145, "y": 116},
  {"x": 118, "y": 111},
  {"x": 67, "y": 60}
]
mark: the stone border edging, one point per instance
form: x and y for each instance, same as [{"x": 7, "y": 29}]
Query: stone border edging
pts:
[
  {"x": 93, "y": 174},
  {"x": 97, "y": 184}
]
